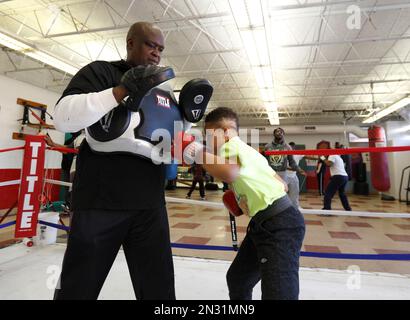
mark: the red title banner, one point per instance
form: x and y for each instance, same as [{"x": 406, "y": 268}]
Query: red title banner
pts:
[{"x": 30, "y": 187}]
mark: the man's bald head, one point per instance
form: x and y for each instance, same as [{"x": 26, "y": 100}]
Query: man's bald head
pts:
[
  {"x": 139, "y": 30},
  {"x": 145, "y": 42}
]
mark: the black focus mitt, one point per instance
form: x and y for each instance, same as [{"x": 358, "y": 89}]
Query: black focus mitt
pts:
[{"x": 141, "y": 79}]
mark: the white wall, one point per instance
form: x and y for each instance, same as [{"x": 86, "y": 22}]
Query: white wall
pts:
[
  {"x": 398, "y": 134},
  {"x": 309, "y": 140},
  {"x": 10, "y": 112}
]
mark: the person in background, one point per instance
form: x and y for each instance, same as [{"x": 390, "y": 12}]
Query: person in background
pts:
[
  {"x": 293, "y": 180},
  {"x": 198, "y": 173},
  {"x": 280, "y": 163},
  {"x": 338, "y": 181}
]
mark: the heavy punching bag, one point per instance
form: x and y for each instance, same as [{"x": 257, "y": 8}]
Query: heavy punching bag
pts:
[
  {"x": 171, "y": 170},
  {"x": 378, "y": 160}
]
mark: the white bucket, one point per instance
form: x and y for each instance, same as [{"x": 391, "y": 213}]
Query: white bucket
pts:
[{"x": 45, "y": 234}]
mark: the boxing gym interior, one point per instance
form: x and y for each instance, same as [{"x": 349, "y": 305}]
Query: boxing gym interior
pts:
[{"x": 333, "y": 76}]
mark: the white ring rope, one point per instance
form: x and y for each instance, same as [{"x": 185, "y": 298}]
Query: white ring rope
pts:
[
  {"x": 58, "y": 182},
  {"x": 220, "y": 205},
  {"x": 10, "y": 183},
  {"x": 304, "y": 211}
]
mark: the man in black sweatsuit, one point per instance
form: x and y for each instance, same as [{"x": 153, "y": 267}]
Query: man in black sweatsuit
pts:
[{"x": 118, "y": 199}]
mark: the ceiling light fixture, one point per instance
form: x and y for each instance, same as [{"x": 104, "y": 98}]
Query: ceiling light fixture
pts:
[
  {"x": 249, "y": 19},
  {"x": 39, "y": 55},
  {"x": 394, "y": 107}
]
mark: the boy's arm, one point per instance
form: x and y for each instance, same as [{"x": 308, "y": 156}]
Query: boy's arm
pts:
[{"x": 220, "y": 168}]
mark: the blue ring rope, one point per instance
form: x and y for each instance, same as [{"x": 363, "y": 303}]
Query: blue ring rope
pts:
[
  {"x": 348, "y": 256},
  {"x": 53, "y": 225},
  {"x": 8, "y": 224},
  {"x": 322, "y": 255}
]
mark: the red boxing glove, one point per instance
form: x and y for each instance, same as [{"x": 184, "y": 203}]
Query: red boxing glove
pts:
[
  {"x": 185, "y": 149},
  {"x": 231, "y": 204}
]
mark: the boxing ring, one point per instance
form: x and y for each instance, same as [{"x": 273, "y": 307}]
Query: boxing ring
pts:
[{"x": 36, "y": 268}]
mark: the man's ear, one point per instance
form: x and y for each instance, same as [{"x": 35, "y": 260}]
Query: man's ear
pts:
[
  {"x": 130, "y": 44},
  {"x": 226, "y": 134},
  {"x": 229, "y": 132}
]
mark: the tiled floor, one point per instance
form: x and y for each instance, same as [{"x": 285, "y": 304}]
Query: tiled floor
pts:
[{"x": 194, "y": 224}]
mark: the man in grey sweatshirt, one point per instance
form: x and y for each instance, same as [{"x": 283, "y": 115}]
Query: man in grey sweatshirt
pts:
[{"x": 280, "y": 163}]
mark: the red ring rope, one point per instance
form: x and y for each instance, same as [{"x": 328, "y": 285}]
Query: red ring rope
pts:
[
  {"x": 327, "y": 152},
  {"x": 63, "y": 150},
  {"x": 11, "y": 149}
]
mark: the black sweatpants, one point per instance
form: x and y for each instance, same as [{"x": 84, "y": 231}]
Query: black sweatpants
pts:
[
  {"x": 201, "y": 187},
  {"x": 337, "y": 184},
  {"x": 94, "y": 241},
  {"x": 270, "y": 252}
]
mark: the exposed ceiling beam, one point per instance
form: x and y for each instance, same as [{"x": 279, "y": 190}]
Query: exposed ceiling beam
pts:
[
  {"x": 358, "y": 40},
  {"x": 352, "y": 63},
  {"x": 126, "y": 26},
  {"x": 195, "y": 53},
  {"x": 311, "y": 5}
]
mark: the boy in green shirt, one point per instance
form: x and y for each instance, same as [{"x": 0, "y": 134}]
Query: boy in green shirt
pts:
[{"x": 271, "y": 248}]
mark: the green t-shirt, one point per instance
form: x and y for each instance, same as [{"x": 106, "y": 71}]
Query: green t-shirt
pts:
[{"x": 255, "y": 187}]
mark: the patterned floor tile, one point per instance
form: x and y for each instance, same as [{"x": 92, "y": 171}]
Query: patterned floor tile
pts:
[
  {"x": 313, "y": 223},
  {"x": 358, "y": 224},
  {"x": 219, "y": 218},
  {"x": 181, "y": 215},
  {"x": 193, "y": 240},
  {"x": 344, "y": 235},
  {"x": 391, "y": 251},
  {"x": 185, "y": 225},
  {"x": 238, "y": 229},
  {"x": 403, "y": 226},
  {"x": 324, "y": 249},
  {"x": 399, "y": 237}
]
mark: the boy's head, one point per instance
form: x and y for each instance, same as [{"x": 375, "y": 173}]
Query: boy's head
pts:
[
  {"x": 221, "y": 124},
  {"x": 222, "y": 118}
]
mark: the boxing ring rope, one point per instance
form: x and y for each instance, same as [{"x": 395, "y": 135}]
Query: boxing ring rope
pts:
[
  {"x": 11, "y": 149},
  {"x": 304, "y": 211},
  {"x": 328, "y": 152},
  {"x": 349, "y": 256},
  {"x": 343, "y": 256}
]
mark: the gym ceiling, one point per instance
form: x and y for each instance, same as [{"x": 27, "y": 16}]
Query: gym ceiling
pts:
[{"x": 278, "y": 61}]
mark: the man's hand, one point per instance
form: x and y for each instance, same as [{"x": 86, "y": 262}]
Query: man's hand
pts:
[
  {"x": 303, "y": 172},
  {"x": 49, "y": 142},
  {"x": 139, "y": 80},
  {"x": 119, "y": 93}
]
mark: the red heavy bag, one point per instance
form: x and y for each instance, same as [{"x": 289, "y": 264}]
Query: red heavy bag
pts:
[{"x": 378, "y": 160}]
